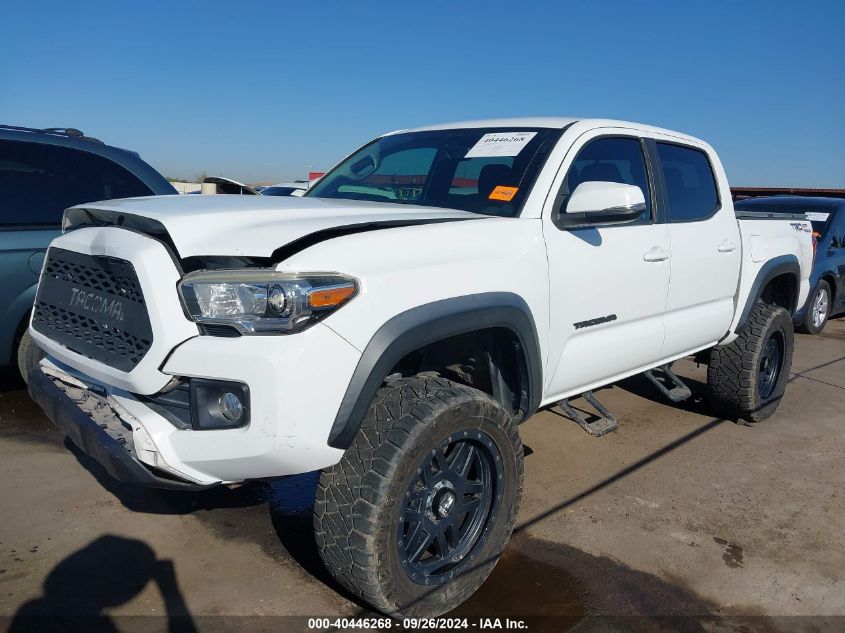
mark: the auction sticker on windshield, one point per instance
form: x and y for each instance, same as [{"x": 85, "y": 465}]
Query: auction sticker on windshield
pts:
[
  {"x": 500, "y": 144},
  {"x": 814, "y": 216},
  {"x": 505, "y": 194}
]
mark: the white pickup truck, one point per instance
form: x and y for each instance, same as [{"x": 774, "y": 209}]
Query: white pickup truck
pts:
[{"x": 394, "y": 325}]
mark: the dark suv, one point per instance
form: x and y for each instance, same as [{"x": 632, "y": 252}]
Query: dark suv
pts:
[
  {"x": 827, "y": 279},
  {"x": 43, "y": 172}
]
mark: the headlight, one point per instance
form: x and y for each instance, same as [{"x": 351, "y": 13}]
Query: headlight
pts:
[{"x": 264, "y": 301}]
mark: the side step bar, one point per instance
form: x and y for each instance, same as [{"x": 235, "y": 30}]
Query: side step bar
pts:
[
  {"x": 668, "y": 383},
  {"x": 606, "y": 422}
]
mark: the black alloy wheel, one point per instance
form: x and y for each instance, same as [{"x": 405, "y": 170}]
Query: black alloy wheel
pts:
[
  {"x": 421, "y": 506},
  {"x": 771, "y": 362},
  {"x": 449, "y": 505}
]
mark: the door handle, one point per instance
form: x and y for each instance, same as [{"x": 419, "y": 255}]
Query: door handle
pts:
[
  {"x": 656, "y": 254},
  {"x": 726, "y": 246}
]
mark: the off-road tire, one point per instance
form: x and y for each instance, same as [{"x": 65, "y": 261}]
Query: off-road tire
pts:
[
  {"x": 360, "y": 500},
  {"x": 732, "y": 375},
  {"x": 29, "y": 355},
  {"x": 807, "y": 326}
]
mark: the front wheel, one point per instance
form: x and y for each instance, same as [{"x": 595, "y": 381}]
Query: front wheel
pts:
[
  {"x": 29, "y": 355},
  {"x": 747, "y": 378},
  {"x": 818, "y": 310},
  {"x": 419, "y": 509}
]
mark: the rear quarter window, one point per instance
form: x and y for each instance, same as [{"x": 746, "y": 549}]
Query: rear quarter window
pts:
[
  {"x": 39, "y": 181},
  {"x": 691, "y": 192}
]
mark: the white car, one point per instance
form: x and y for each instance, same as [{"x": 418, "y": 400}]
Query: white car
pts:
[
  {"x": 394, "y": 326},
  {"x": 294, "y": 188}
]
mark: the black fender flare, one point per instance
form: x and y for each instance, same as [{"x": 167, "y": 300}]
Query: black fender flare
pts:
[
  {"x": 426, "y": 324},
  {"x": 783, "y": 264}
]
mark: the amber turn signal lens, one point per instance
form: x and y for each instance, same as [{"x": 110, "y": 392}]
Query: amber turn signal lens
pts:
[{"x": 329, "y": 297}]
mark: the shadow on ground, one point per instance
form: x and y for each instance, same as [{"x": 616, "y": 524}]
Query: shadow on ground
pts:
[
  {"x": 10, "y": 380},
  {"x": 106, "y": 573},
  {"x": 640, "y": 386},
  {"x": 275, "y": 514}
]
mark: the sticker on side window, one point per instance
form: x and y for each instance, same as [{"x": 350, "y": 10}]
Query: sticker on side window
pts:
[
  {"x": 814, "y": 216},
  {"x": 505, "y": 194},
  {"x": 500, "y": 144}
]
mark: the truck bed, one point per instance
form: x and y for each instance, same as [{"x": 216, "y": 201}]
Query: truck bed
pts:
[{"x": 767, "y": 215}]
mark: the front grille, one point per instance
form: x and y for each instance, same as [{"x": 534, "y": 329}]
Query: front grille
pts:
[
  {"x": 121, "y": 280},
  {"x": 94, "y": 306}
]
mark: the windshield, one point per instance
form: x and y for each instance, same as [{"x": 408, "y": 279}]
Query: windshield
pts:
[
  {"x": 818, "y": 215},
  {"x": 482, "y": 170}
]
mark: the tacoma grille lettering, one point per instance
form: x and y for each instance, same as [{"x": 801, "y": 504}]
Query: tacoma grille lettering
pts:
[
  {"x": 94, "y": 306},
  {"x": 111, "y": 309}
]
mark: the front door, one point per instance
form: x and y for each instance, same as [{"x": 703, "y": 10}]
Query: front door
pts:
[{"x": 608, "y": 284}]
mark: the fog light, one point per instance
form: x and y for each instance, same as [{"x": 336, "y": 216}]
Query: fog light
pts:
[
  {"x": 218, "y": 404},
  {"x": 231, "y": 406}
]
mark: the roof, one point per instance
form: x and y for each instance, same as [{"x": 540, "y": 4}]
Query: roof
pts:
[
  {"x": 551, "y": 123},
  {"x": 548, "y": 122},
  {"x": 67, "y": 132},
  {"x": 68, "y": 137}
]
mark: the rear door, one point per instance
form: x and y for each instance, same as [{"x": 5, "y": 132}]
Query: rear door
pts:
[
  {"x": 705, "y": 246},
  {"x": 607, "y": 284}
]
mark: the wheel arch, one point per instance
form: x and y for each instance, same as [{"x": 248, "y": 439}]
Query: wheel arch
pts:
[
  {"x": 830, "y": 277},
  {"x": 423, "y": 325},
  {"x": 777, "y": 281}
]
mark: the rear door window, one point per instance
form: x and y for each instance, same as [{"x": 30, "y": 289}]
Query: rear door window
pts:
[
  {"x": 39, "y": 181},
  {"x": 688, "y": 180}
]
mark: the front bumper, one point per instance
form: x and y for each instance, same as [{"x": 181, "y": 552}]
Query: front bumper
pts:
[
  {"x": 295, "y": 384},
  {"x": 107, "y": 440}
]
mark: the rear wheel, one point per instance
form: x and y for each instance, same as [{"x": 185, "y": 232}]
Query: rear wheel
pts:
[
  {"x": 818, "y": 310},
  {"x": 747, "y": 378},
  {"x": 420, "y": 507}
]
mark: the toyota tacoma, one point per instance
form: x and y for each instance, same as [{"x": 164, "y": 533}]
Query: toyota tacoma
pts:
[{"x": 393, "y": 327}]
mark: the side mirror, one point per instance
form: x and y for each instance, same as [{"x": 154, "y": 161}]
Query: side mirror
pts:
[{"x": 596, "y": 203}]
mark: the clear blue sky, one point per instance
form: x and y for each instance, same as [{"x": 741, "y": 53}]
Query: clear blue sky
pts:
[{"x": 261, "y": 91}]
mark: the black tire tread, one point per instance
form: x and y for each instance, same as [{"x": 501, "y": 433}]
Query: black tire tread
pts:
[
  {"x": 350, "y": 493},
  {"x": 732, "y": 370},
  {"x": 28, "y": 355}
]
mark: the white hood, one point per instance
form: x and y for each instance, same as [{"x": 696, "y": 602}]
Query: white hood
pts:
[{"x": 256, "y": 226}]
